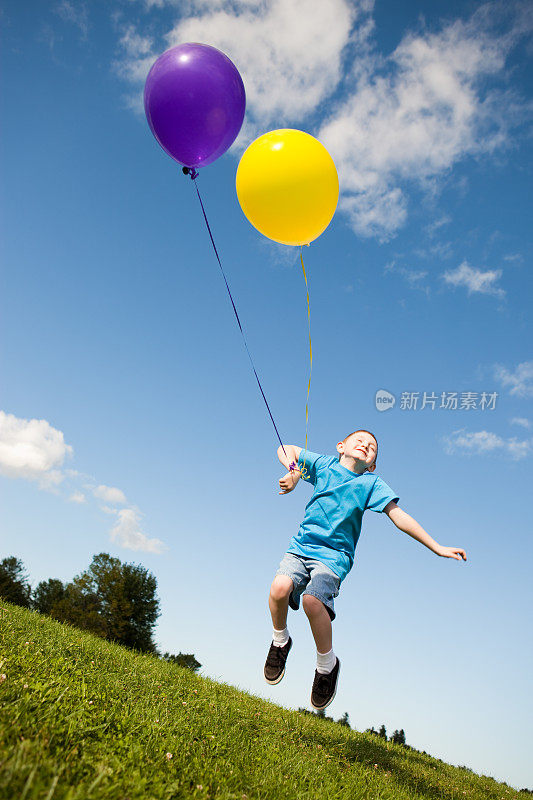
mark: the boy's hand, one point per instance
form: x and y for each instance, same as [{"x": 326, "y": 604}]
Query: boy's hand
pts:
[
  {"x": 452, "y": 552},
  {"x": 289, "y": 481}
]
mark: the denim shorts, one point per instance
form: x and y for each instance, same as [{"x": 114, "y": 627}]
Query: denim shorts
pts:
[{"x": 310, "y": 576}]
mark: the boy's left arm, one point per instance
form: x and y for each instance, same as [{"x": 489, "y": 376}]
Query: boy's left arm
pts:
[{"x": 409, "y": 525}]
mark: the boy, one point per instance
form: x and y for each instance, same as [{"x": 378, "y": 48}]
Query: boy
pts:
[{"x": 321, "y": 554}]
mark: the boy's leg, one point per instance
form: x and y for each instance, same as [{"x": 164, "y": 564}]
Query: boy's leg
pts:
[
  {"x": 318, "y": 603},
  {"x": 278, "y": 601},
  {"x": 289, "y": 581},
  {"x": 319, "y": 621},
  {"x": 327, "y": 667}
]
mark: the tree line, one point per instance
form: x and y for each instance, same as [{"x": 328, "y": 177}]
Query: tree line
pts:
[
  {"x": 117, "y": 601},
  {"x": 398, "y": 736}
]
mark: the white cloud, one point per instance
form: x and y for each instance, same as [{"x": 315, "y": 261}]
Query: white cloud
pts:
[
  {"x": 442, "y": 250},
  {"x": 519, "y": 449},
  {"x": 135, "y": 45},
  {"x": 109, "y": 494},
  {"x": 415, "y": 114},
  {"x": 190, "y": 7},
  {"x": 373, "y": 210},
  {"x": 415, "y": 277},
  {"x": 32, "y": 449},
  {"x": 437, "y": 224},
  {"x": 475, "y": 280},
  {"x": 77, "y": 497},
  {"x": 522, "y": 421},
  {"x": 520, "y": 381},
  {"x": 289, "y": 52},
  {"x": 109, "y": 510},
  {"x": 136, "y": 57},
  {"x": 481, "y": 442},
  {"x": 75, "y": 13},
  {"x": 127, "y": 532}
]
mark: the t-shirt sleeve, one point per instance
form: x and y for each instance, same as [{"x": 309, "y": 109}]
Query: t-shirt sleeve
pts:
[
  {"x": 310, "y": 464},
  {"x": 380, "y": 496}
]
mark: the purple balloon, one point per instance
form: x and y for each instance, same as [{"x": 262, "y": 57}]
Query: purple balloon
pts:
[{"x": 194, "y": 101}]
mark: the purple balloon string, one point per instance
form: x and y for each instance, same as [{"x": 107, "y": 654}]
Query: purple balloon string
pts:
[{"x": 194, "y": 174}]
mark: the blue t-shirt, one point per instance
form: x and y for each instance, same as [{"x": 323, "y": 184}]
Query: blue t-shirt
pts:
[{"x": 332, "y": 522}]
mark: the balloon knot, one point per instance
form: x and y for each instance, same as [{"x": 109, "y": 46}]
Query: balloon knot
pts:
[{"x": 190, "y": 171}]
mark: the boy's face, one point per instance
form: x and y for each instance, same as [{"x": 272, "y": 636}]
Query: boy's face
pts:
[{"x": 359, "y": 450}]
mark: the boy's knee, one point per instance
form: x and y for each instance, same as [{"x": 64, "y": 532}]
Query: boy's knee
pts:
[
  {"x": 281, "y": 587},
  {"x": 311, "y": 604}
]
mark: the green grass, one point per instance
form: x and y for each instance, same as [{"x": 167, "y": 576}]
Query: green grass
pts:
[{"x": 83, "y": 718}]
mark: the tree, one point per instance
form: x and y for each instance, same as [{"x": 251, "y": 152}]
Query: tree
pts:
[
  {"x": 47, "y": 594},
  {"x": 344, "y": 720},
  {"x": 322, "y": 714},
  {"x": 113, "y": 600},
  {"x": 383, "y": 732},
  {"x": 183, "y": 660},
  {"x": 80, "y": 608},
  {"x": 14, "y": 585},
  {"x": 398, "y": 737},
  {"x": 127, "y": 599}
]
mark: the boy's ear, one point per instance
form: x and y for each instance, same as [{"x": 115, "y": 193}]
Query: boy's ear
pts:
[
  {"x": 340, "y": 447},
  {"x": 371, "y": 468}
]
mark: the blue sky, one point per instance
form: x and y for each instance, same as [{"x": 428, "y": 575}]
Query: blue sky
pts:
[{"x": 131, "y": 422}]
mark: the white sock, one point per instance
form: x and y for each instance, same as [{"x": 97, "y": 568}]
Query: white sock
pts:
[
  {"x": 325, "y": 661},
  {"x": 280, "y": 637}
]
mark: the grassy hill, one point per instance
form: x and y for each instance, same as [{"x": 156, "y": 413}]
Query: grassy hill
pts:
[{"x": 83, "y": 718}]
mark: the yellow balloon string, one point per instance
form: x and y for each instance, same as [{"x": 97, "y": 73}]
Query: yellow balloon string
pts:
[{"x": 304, "y": 471}]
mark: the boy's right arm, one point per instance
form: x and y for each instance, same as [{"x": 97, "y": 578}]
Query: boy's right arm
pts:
[
  {"x": 288, "y": 458},
  {"x": 291, "y": 454}
]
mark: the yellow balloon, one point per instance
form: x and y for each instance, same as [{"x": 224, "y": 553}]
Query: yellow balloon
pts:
[{"x": 287, "y": 186}]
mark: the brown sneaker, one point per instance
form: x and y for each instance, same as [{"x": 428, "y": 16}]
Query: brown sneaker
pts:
[
  {"x": 275, "y": 663},
  {"x": 325, "y": 687}
]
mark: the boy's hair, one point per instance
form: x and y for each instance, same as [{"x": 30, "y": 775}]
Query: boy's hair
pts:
[{"x": 362, "y": 430}]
